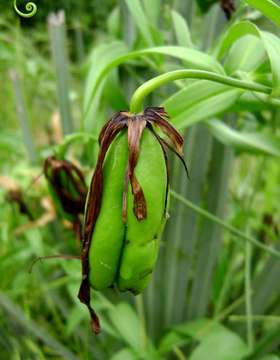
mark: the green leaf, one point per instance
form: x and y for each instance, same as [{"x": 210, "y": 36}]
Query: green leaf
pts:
[
  {"x": 41, "y": 334},
  {"x": 252, "y": 103},
  {"x": 194, "y": 58},
  {"x": 216, "y": 341},
  {"x": 270, "y": 357},
  {"x": 270, "y": 42},
  {"x": 235, "y": 32},
  {"x": 10, "y": 144},
  {"x": 268, "y": 8},
  {"x": 127, "y": 324},
  {"x": 199, "y": 101},
  {"x": 113, "y": 91},
  {"x": 246, "y": 54},
  {"x": 220, "y": 344},
  {"x": 113, "y": 23},
  {"x": 140, "y": 18},
  {"x": 153, "y": 10},
  {"x": 124, "y": 354},
  {"x": 172, "y": 339},
  {"x": 181, "y": 30},
  {"x": 272, "y": 46},
  {"x": 100, "y": 58},
  {"x": 183, "y": 333},
  {"x": 107, "y": 57},
  {"x": 74, "y": 318},
  {"x": 253, "y": 142}
]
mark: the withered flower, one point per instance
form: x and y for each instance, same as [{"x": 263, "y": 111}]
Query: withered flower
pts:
[
  {"x": 151, "y": 118},
  {"x": 15, "y": 196},
  {"x": 67, "y": 187}
]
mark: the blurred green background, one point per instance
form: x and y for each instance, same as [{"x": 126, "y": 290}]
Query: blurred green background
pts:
[{"x": 215, "y": 293}]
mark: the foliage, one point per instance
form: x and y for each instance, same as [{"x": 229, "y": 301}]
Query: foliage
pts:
[{"x": 215, "y": 293}]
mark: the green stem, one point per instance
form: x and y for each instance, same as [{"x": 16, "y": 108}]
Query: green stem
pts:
[
  {"x": 255, "y": 318},
  {"x": 248, "y": 295},
  {"x": 137, "y": 99},
  {"x": 141, "y": 313},
  {"x": 225, "y": 225},
  {"x": 22, "y": 116},
  {"x": 179, "y": 354},
  {"x": 61, "y": 148}
]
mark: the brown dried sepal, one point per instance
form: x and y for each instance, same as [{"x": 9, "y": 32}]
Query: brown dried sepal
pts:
[
  {"x": 71, "y": 203},
  {"x": 135, "y": 124}
]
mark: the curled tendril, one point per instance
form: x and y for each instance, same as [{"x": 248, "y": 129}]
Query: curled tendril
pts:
[{"x": 30, "y": 7}]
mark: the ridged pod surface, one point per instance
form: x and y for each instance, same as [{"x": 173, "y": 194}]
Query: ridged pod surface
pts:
[
  {"x": 108, "y": 235},
  {"x": 142, "y": 237}
]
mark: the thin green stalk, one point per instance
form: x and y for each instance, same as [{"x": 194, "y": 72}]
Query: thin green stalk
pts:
[
  {"x": 255, "y": 318},
  {"x": 22, "y": 116},
  {"x": 248, "y": 296},
  {"x": 137, "y": 99},
  {"x": 266, "y": 285},
  {"x": 179, "y": 354},
  {"x": 233, "y": 230},
  {"x": 227, "y": 281},
  {"x": 223, "y": 315},
  {"x": 141, "y": 313},
  {"x": 267, "y": 343}
]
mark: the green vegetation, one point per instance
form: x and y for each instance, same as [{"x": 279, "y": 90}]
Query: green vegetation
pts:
[{"x": 215, "y": 291}]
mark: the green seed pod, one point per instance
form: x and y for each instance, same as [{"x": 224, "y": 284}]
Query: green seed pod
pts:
[
  {"x": 108, "y": 235},
  {"x": 126, "y": 204},
  {"x": 142, "y": 237}
]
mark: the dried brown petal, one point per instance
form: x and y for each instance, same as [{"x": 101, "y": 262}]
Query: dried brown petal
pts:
[
  {"x": 159, "y": 117},
  {"x": 136, "y": 126}
]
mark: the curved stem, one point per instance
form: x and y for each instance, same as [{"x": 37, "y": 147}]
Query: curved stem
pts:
[
  {"x": 61, "y": 148},
  {"x": 136, "y": 102},
  {"x": 31, "y": 7},
  {"x": 225, "y": 225}
]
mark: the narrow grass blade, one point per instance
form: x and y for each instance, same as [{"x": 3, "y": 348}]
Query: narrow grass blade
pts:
[
  {"x": 209, "y": 240},
  {"x": 32, "y": 328},
  {"x": 79, "y": 43},
  {"x": 268, "y": 7},
  {"x": 22, "y": 116},
  {"x": 56, "y": 23},
  {"x": 182, "y": 235}
]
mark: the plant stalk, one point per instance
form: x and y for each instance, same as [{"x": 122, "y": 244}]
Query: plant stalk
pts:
[{"x": 137, "y": 99}]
